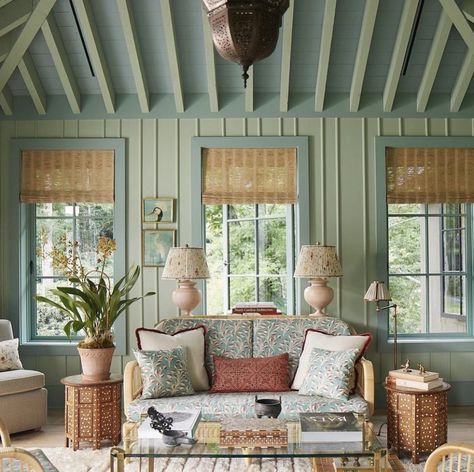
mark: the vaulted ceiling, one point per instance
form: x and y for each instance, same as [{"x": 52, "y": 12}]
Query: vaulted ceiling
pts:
[{"x": 108, "y": 48}]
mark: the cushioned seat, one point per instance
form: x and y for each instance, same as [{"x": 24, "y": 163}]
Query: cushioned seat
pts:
[
  {"x": 214, "y": 405},
  {"x": 17, "y": 381}
]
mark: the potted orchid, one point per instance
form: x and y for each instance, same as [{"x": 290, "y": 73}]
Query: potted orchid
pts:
[{"x": 92, "y": 302}]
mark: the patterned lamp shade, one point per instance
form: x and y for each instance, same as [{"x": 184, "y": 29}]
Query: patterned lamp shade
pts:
[
  {"x": 318, "y": 261},
  {"x": 184, "y": 263},
  {"x": 377, "y": 292}
]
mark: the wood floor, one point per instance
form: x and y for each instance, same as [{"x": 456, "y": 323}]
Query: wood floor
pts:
[{"x": 460, "y": 429}]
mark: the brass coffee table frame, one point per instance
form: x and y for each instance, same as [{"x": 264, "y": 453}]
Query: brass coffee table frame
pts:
[{"x": 208, "y": 446}]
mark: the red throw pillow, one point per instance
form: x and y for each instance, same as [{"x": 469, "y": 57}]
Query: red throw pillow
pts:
[{"x": 254, "y": 374}]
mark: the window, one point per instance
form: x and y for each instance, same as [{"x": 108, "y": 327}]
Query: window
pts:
[
  {"x": 39, "y": 218},
  {"x": 428, "y": 267},
  {"x": 429, "y": 251},
  {"x": 250, "y": 254},
  {"x": 82, "y": 222},
  {"x": 250, "y": 211}
]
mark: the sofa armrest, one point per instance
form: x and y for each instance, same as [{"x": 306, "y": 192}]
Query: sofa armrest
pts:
[
  {"x": 365, "y": 382},
  {"x": 132, "y": 383}
]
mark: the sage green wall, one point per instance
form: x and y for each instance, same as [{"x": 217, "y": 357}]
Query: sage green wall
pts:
[{"x": 342, "y": 206}]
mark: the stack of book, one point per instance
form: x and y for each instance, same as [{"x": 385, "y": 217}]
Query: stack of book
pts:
[
  {"x": 415, "y": 379},
  {"x": 260, "y": 308},
  {"x": 331, "y": 427}
]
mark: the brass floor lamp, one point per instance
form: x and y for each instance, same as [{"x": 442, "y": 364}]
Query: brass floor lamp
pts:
[{"x": 377, "y": 292}]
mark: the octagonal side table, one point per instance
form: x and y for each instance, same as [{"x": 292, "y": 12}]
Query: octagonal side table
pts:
[
  {"x": 92, "y": 410},
  {"x": 417, "y": 419}
]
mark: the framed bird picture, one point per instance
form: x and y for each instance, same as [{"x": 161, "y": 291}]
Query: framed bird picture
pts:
[{"x": 158, "y": 210}]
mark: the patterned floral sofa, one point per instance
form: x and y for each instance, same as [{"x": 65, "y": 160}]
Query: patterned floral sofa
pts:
[{"x": 252, "y": 337}]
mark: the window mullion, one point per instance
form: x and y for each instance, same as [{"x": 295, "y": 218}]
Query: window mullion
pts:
[
  {"x": 427, "y": 271},
  {"x": 227, "y": 262},
  {"x": 257, "y": 256}
]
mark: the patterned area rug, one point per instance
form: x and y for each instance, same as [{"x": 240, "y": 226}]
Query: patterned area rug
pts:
[{"x": 88, "y": 460}]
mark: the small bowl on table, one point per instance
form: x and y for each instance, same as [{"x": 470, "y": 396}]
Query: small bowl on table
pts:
[{"x": 269, "y": 407}]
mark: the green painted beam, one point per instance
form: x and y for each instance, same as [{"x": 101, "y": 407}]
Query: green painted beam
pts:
[
  {"x": 363, "y": 49},
  {"x": 96, "y": 53},
  {"x": 167, "y": 20},
  {"x": 210, "y": 64},
  {"x": 462, "y": 82},
  {"x": 134, "y": 53},
  {"x": 6, "y": 42},
  {"x": 286, "y": 56},
  {"x": 399, "y": 50},
  {"x": 249, "y": 92},
  {"x": 13, "y": 15},
  {"x": 6, "y": 101},
  {"x": 460, "y": 22},
  {"x": 24, "y": 39},
  {"x": 434, "y": 60},
  {"x": 324, "y": 53},
  {"x": 61, "y": 61},
  {"x": 32, "y": 81}
]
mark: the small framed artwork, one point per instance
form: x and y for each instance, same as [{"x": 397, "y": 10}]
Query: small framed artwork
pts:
[
  {"x": 158, "y": 210},
  {"x": 156, "y": 245}
]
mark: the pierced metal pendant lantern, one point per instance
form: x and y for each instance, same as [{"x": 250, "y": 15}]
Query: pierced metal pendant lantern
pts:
[{"x": 245, "y": 31}]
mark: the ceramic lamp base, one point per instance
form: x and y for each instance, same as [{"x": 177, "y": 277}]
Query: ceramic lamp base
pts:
[
  {"x": 186, "y": 296},
  {"x": 318, "y": 295}
]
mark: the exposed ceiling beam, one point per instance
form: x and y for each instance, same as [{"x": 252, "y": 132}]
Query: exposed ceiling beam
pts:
[
  {"x": 23, "y": 41},
  {"x": 210, "y": 64},
  {"x": 6, "y": 101},
  {"x": 365, "y": 40},
  {"x": 249, "y": 92},
  {"x": 324, "y": 53},
  {"x": 63, "y": 67},
  {"x": 286, "y": 56},
  {"x": 462, "y": 82},
  {"x": 460, "y": 22},
  {"x": 32, "y": 81},
  {"x": 94, "y": 48},
  {"x": 434, "y": 59},
  {"x": 167, "y": 20},
  {"x": 399, "y": 51},
  {"x": 13, "y": 15},
  {"x": 134, "y": 53},
  {"x": 4, "y": 2}
]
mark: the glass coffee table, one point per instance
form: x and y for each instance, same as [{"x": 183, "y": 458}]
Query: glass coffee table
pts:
[{"x": 367, "y": 455}]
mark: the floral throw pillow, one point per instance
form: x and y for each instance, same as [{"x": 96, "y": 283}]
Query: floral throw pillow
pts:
[
  {"x": 164, "y": 373},
  {"x": 329, "y": 374},
  {"x": 9, "y": 358}
]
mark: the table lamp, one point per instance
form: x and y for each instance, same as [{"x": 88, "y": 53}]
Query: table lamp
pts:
[
  {"x": 377, "y": 292},
  {"x": 317, "y": 263},
  {"x": 186, "y": 264}
]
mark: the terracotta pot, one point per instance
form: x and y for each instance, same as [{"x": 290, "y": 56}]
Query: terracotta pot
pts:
[{"x": 96, "y": 363}]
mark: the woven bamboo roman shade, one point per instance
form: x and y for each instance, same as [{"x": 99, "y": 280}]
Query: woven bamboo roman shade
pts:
[
  {"x": 67, "y": 176},
  {"x": 430, "y": 175},
  {"x": 249, "y": 176}
]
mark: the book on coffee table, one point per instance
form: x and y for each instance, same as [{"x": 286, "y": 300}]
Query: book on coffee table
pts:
[
  {"x": 185, "y": 420},
  {"x": 330, "y": 427},
  {"x": 413, "y": 375}
]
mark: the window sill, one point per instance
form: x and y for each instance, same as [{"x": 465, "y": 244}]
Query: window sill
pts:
[
  {"x": 57, "y": 348},
  {"x": 429, "y": 345}
]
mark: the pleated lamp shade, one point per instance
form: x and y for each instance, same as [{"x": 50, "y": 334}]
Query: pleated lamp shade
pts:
[{"x": 377, "y": 292}]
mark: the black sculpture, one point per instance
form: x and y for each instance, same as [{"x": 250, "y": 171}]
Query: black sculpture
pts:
[{"x": 159, "y": 421}]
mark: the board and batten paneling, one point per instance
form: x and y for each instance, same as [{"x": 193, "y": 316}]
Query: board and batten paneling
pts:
[{"x": 342, "y": 209}]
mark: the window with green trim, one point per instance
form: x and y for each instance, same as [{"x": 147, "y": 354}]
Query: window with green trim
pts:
[
  {"x": 49, "y": 223},
  {"x": 430, "y": 266},
  {"x": 250, "y": 252}
]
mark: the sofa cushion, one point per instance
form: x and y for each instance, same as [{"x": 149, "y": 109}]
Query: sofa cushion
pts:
[
  {"x": 16, "y": 381},
  {"x": 251, "y": 374},
  {"x": 276, "y": 336},
  {"x": 164, "y": 373},
  {"x": 224, "y": 337},
  {"x": 192, "y": 340},
  {"x": 9, "y": 357},
  {"x": 217, "y": 405}
]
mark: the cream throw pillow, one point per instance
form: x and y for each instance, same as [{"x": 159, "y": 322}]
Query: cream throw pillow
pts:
[
  {"x": 9, "y": 358},
  {"x": 193, "y": 342},
  {"x": 329, "y": 342}
]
